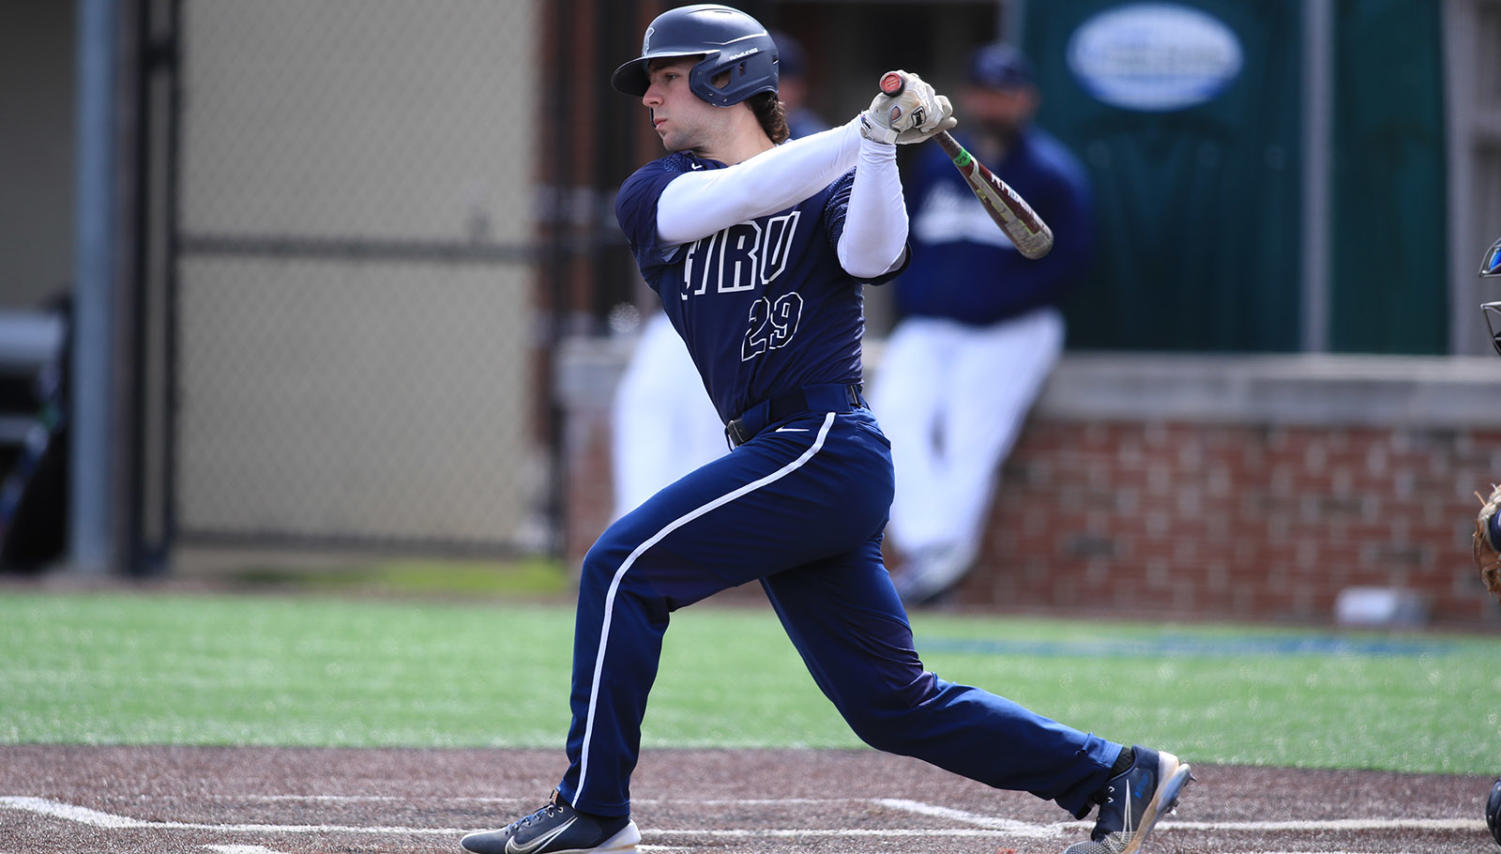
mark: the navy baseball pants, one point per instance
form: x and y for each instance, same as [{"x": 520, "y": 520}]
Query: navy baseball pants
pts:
[{"x": 801, "y": 506}]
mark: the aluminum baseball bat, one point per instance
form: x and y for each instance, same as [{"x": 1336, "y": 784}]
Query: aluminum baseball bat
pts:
[{"x": 1027, "y": 231}]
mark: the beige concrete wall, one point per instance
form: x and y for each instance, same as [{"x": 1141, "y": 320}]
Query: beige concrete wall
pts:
[
  {"x": 376, "y": 118},
  {"x": 328, "y": 396},
  {"x": 327, "y": 399}
]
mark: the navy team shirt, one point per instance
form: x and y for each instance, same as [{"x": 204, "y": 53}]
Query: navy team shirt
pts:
[
  {"x": 963, "y": 267},
  {"x": 763, "y": 306}
]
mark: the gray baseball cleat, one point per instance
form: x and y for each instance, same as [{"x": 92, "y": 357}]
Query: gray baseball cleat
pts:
[{"x": 1132, "y": 801}]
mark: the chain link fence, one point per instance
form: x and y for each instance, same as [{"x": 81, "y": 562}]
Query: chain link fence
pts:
[{"x": 354, "y": 299}]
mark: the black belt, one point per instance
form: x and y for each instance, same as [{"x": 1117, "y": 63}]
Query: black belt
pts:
[{"x": 827, "y": 397}]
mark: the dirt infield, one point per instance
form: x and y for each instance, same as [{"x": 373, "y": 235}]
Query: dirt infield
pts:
[{"x": 133, "y": 800}]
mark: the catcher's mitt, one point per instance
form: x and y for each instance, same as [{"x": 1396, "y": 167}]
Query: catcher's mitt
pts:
[{"x": 1487, "y": 552}]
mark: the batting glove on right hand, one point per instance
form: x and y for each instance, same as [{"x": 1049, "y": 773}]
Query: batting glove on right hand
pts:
[{"x": 915, "y": 114}]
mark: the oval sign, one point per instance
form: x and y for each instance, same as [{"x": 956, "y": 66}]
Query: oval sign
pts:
[{"x": 1154, "y": 57}]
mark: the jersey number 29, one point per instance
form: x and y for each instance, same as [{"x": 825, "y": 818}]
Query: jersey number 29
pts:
[{"x": 772, "y": 324}]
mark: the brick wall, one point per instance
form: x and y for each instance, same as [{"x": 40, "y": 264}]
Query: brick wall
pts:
[
  {"x": 1200, "y": 489},
  {"x": 1231, "y": 521}
]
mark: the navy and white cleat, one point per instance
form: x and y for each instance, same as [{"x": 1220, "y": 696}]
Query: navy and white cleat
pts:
[
  {"x": 557, "y": 828},
  {"x": 1132, "y": 801}
]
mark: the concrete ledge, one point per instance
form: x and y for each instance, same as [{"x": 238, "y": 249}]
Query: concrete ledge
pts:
[{"x": 1313, "y": 389}]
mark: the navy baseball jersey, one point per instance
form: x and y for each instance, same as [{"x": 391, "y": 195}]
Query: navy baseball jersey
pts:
[{"x": 764, "y": 306}]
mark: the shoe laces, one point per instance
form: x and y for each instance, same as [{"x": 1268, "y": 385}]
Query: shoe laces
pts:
[
  {"x": 547, "y": 810},
  {"x": 1112, "y": 840}
]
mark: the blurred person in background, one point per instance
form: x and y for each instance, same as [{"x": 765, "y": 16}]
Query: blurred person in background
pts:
[
  {"x": 979, "y": 327},
  {"x": 793, "y": 82},
  {"x": 663, "y": 424}
]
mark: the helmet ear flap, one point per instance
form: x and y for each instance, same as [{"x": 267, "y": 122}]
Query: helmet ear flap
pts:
[{"x": 745, "y": 75}]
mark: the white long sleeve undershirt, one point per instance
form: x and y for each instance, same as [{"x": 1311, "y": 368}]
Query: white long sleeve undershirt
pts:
[
  {"x": 875, "y": 223},
  {"x": 697, "y": 204}
]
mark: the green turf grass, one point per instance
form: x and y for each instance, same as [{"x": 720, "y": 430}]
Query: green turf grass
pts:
[{"x": 311, "y": 670}]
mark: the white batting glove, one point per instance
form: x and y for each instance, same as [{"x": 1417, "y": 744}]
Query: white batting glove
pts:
[
  {"x": 945, "y": 121},
  {"x": 915, "y": 114}
]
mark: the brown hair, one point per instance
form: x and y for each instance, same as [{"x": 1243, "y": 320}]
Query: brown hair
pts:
[
  {"x": 772, "y": 115},
  {"x": 765, "y": 106}
]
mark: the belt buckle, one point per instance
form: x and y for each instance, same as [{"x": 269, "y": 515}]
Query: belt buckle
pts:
[{"x": 737, "y": 434}]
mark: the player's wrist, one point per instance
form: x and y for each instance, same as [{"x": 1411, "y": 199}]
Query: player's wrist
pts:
[
  {"x": 874, "y": 151},
  {"x": 874, "y": 133}
]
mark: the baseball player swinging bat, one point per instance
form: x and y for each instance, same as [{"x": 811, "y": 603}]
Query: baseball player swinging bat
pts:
[{"x": 1031, "y": 236}]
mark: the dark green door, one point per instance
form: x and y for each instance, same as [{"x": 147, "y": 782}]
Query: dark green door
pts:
[
  {"x": 1187, "y": 116},
  {"x": 1389, "y": 285}
]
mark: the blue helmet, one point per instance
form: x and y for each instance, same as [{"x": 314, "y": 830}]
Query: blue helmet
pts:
[{"x": 729, "y": 40}]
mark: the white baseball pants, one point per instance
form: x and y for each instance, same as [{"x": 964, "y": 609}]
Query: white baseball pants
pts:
[
  {"x": 952, "y": 398},
  {"x": 664, "y": 424}
]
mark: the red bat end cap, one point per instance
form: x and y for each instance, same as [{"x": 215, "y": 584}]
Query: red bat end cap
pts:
[{"x": 892, "y": 83}]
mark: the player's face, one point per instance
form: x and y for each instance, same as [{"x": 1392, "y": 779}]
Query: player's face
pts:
[{"x": 683, "y": 120}]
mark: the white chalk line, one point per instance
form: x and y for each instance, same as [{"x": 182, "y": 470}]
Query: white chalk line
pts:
[
  {"x": 1009, "y": 827},
  {"x": 978, "y": 825},
  {"x": 522, "y": 802}
]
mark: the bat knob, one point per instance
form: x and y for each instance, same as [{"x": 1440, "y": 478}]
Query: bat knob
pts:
[{"x": 892, "y": 83}]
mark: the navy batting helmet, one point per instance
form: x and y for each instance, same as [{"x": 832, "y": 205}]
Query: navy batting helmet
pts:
[{"x": 729, "y": 40}]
